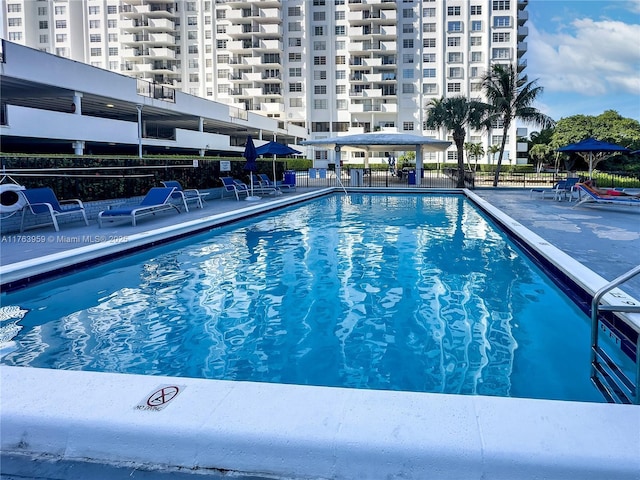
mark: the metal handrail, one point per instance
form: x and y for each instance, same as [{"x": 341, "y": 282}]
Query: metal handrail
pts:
[{"x": 628, "y": 307}]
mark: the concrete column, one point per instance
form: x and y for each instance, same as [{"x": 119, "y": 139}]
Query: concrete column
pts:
[
  {"x": 77, "y": 103},
  {"x": 78, "y": 147}
]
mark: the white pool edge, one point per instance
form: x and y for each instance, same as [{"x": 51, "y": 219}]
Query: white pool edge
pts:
[{"x": 292, "y": 431}]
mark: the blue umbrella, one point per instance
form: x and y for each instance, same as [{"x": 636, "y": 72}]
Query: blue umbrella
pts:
[
  {"x": 250, "y": 156},
  {"x": 586, "y": 149},
  {"x": 275, "y": 148}
]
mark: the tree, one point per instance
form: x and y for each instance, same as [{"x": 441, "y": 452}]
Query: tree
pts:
[
  {"x": 492, "y": 150},
  {"x": 540, "y": 154},
  {"x": 474, "y": 150},
  {"x": 512, "y": 98},
  {"x": 455, "y": 114},
  {"x": 609, "y": 126}
]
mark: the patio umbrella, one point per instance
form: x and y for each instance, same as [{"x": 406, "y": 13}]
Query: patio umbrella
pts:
[
  {"x": 593, "y": 150},
  {"x": 250, "y": 156},
  {"x": 275, "y": 148}
]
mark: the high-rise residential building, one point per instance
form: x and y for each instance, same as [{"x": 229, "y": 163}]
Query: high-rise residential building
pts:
[{"x": 331, "y": 66}]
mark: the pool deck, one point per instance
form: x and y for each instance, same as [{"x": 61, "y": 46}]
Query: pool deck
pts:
[{"x": 255, "y": 431}]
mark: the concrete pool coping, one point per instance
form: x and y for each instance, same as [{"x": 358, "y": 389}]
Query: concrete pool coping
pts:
[{"x": 290, "y": 431}]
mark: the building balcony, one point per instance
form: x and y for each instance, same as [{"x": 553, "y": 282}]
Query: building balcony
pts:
[
  {"x": 522, "y": 48},
  {"x": 523, "y": 32},
  {"x": 272, "y": 107},
  {"x": 270, "y": 45},
  {"x": 162, "y": 39},
  {"x": 164, "y": 53},
  {"x": 163, "y": 24},
  {"x": 523, "y": 17}
]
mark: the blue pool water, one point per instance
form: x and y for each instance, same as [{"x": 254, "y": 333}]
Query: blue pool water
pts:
[{"x": 420, "y": 293}]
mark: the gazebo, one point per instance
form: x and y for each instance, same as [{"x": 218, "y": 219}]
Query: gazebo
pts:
[{"x": 382, "y": 142}]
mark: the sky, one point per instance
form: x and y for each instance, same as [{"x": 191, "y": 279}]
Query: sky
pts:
[{"x": 586, "y": 56}]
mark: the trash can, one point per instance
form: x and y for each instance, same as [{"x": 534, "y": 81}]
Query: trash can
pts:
[
  {"x": 290, "y": 177},
  {"x": 356, "y": 175},
  {"x": 412, "y": 177}
]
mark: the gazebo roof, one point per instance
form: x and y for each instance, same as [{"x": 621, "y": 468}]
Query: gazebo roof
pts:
[{"x": 378, "y": 141}]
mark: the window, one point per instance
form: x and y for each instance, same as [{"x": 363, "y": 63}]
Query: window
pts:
[
  {"x": 193, "y": 49},
  {"x": 474, "y": 72},
  {"x": 318, "y": 31},
  {"x": 318, "y": 3},
  {"x": 452, "y": 156},
  {"x": 407, "y": 28},
  {"x": 221, "y": 14},
  {"x": 407, "y": 43},
  {"x": 429, "y": 88},
  {"x": 295, "y": 57},
  {"x": 112, "y": 37},
  {"x": 429, "y": 73},
  {"x": 476, "y": 56},
  {"x": 407, "y": 13},
  {"x": 454, "y": 57},
  {"x": 113, "y": 65},
  {"x": 294, "y": 11},
  {"x": 295, "y": 41},
  {"x": 15, "y": 36},
  {"x": 295, "y": 87},
  {"x": 94, "y": 23},
  {"x": 61, "y": 24},
  {"x": 320, "y": 45},
  {"x": 453, "y": 41},
  {"x": 42, "y": 11},
  {"x": 340, "y": 44},
  {"x": 193, "y": 63},
  {"x": 192, "y": 20},
  {"x": 428, "y": 27},
  {"x": 408, "y": 88},
  {"x": 341, "y": 74},
  {"x": 319, "y": 74},
  {"x": 112, "y": 9},
  {"x": 320, "y": 104},
  {"x": 16, "y": 22},
  {"x": 322, "y": 60},
  {"x": 429, "y": 12},
  {"x": 429, "y": 57},
  {"x": 340, "y": 15},
  {"x": 341, "y": 60},
  {"x": 191, "y": 7},
  {"x": 501, "y": 5},
  {"x": 455, "y": 72},
  {"x": 407, "y": 73},
  {"x": 342, "y": 104},
  {"x": 62, "y": 51},
  {"x": 341, "y": 89},
  {"x": 112, "y": 23},
  {"x": 93, "y": 38},
  {"x": 61, "y": 37},
  {"x": 453, "y": 11},
  {"x": 95, "y": 52},
  {"x": 94, "y": 10},
  {"x": 113, "y": 51},
  {"x": 501, "y": 21},
  {"x": 319, "y": 16},
  {"x": 340, "y": 30},
  {"x": 407, "y": 126},
  {"x": 295, "y": 102},
  {"x": 223, "y": 73},
  {"x": 476, "y": 26},
  {"x": 429, "y": 42},
  {"x": 453, "y": 87},
  {"x": 454, "y": 26},
  {"x": 44, "y": 39},
  {"x": 222, "y": 44},
  {"x": 475, "y": 41},
  {"x": 476, "y": 9},
  {"x": 408, "y": 57},
  {"x": 320, "y": 90},
  {"x": 295, "y": 72},
  {"x": 501, "y": 37},
  {"x": 501, "y": 54},
  {"x": 295, "y": 27},
  {"x": 14, "y": 8},
  {"x": 60, "y": 10}
]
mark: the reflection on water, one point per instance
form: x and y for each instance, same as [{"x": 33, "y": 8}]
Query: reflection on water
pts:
[{"x": 415, "y": 293}]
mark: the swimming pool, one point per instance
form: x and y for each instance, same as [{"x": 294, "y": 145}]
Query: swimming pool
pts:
[{"x": 394, "y": 292}]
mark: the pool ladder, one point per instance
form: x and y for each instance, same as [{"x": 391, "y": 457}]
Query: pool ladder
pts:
[{"x": 608, "y": 377}]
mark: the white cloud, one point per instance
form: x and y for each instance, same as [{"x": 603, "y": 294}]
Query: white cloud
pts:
[{"x": 591, "y": 58}]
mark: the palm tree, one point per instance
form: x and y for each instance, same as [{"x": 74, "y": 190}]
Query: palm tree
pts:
[
  {"x": 455, "y": 114},
  {"x": 512, "y": 98},
  {"x": 492, "y": 150},
  {"x": 475, "y": 150}
]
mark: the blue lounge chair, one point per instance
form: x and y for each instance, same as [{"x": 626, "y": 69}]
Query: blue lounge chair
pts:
[
  {"x": 42, "y": 201},
  {"x": 590, "y": 196},
  {"x": 185, "y": 196},
  {"x": 561, "y": 190},
  {"x": 234, "y": 186},
  {"x": 265, "y": 180},
  {"x": 156, "y": 200},
  {"x": 260, "y": 186}
]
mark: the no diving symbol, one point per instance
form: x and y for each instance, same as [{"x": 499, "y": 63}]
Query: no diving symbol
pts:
[{"x": 160, "y": 397}]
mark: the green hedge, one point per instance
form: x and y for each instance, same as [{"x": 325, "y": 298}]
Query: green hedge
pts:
[{"x": 123, "y": 177}]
